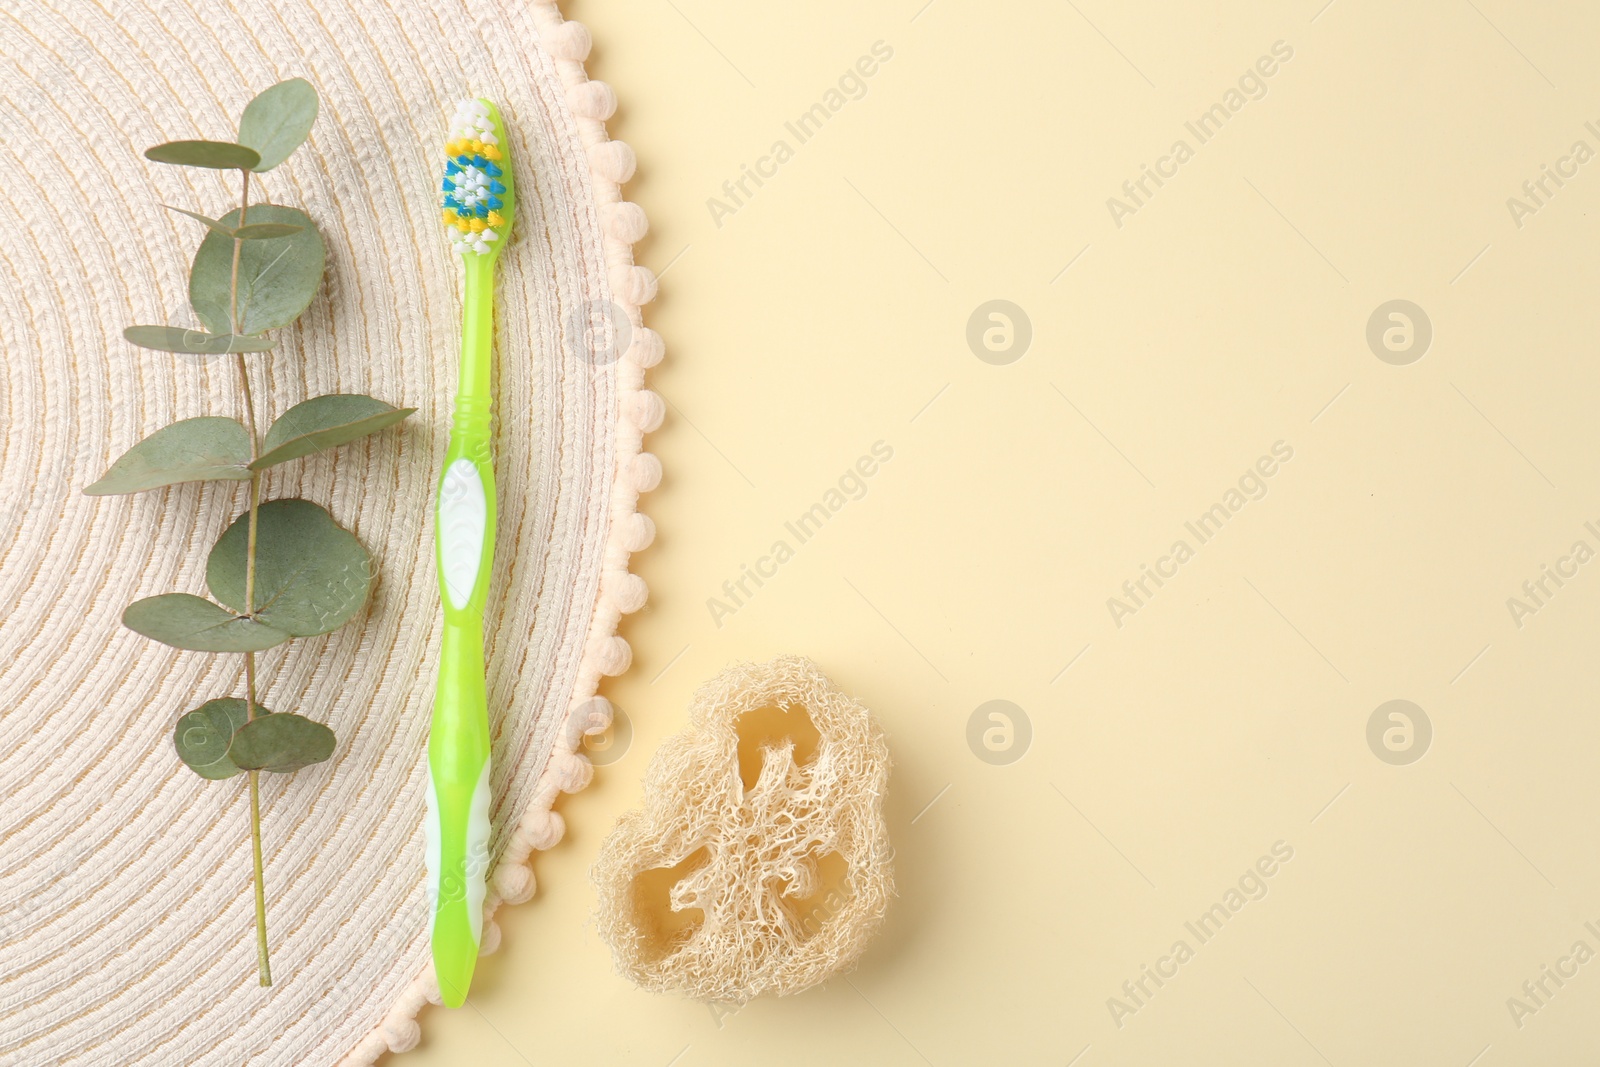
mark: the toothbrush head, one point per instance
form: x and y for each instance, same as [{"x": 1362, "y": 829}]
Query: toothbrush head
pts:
[{"x": 479, "y": 195}]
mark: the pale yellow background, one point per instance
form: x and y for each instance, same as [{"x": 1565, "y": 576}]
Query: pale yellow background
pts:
[{"x": 1230, "y": 713}]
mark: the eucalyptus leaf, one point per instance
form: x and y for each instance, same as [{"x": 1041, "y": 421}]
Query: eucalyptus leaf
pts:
[
  {"x": 312, "y": 575},
  {"x": 213, "y": 155},
  {"x": 325, "y": 422},
  {"x": 194, "y": 342},
  {"x": 278, "y": 121},
  {"x": 195, "y": 623},
  {"x": 253, "y": 232},
  {"x": 203, "y": 735},
  {"x": 280, "y": 743},
  {"x": 277, "y": 279},
  {"x": 210, "y": 448},
  {"x": 210, "y": 222},
  {"x": 266, "y": 231}
]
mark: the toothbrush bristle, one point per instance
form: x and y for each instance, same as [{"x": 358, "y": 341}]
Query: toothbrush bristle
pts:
[{"x": 477, "y": 198}]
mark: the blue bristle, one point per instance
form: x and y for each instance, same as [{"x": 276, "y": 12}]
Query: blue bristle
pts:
[
  {"x": 492, "y": 171},
  {"x": 479, "y": 161},
  {"x": 448, "y": 185},
  {"x": 450, "y": 204},
  {"x": 464, "y": 160},
  {"x": 496, "y": 188},
  {"x": 450, "y": 167},
  {"x": 483, "y": 211},
  {"x": 494, "y": 203}
]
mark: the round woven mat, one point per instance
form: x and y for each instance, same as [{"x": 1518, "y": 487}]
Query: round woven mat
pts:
[{"x": 126, "y": 909}]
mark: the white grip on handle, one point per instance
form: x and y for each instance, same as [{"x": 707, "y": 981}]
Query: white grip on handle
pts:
[{"x": 477, "y": 852}]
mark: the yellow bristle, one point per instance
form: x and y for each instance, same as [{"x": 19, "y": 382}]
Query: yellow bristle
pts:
[
  {"x": 478, "y": 225},
  {"x": 491, "y": 152},
  {"x": 496, "y": 219},
  {"x": 477, "y": 148},
  {"x": 449, "y": 218}
]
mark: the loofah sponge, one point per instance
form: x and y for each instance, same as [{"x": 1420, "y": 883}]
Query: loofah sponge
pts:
[{"x": 760, "y": 862}]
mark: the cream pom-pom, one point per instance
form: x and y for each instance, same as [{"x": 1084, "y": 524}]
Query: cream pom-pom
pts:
[
  {"x": 631, "y": 594},
  {"x": 544, "y": 829},
  {"x": 625, "y": 221},
  {"x": 614, "y": 655},
  {"x": 593, "y": 100},
  {"x": 644, "y": 472},
  {"x": 647, "y": 410},
  {"x": 647, "y": 347},
  {"x": 570, "y": 40},
  {"x": 401, "y": 1032},
  {"x": 639, "y": 532},
  {"x": 613, "y": 160},
  {"x": 514, "y": 882},
  {"x": 574, "y": 772},
  {"x": 593, "y": 716},
  {"x": 634, "y": 284}
]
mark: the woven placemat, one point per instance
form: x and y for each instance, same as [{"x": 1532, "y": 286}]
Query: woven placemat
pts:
[{"x": 126, "y": 930}]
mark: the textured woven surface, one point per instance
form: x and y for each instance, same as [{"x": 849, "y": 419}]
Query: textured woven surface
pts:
[{"x": 125, "y": 903}]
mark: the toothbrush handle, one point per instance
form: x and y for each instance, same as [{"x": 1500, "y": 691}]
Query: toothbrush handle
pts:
[
  {"x": 458, "y": 741},
  {"x": 458, "y": 808}
]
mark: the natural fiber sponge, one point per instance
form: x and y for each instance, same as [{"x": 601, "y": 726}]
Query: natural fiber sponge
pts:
[{"x": 760, "y": 862}]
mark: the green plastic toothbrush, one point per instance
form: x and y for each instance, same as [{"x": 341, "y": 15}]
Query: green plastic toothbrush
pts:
[{"x": 479, "y": 197}]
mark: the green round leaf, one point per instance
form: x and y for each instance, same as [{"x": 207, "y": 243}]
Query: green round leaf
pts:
[
  {"x": 312, "y": 575},
  {"x": 193, "y": 342},
  {"x": 195, "y": 623},
  {"x": 210, "y": 448},
  {"x": 278, "y": 121},
  {"x": 325, "y": 422},
  {"x": 277, "y": 278},
  {"x": 213, "y": 155},
  {"x": 281, "y": 743},
  {"x": 203, "y": 735}
]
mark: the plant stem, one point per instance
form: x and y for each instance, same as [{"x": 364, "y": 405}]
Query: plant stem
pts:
[
  {"x": 233, "y": 283},
  {"x": 263, "y": 963}
]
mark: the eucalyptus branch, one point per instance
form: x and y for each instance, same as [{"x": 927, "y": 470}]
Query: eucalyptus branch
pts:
[{"x": 249, "y": 277}]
